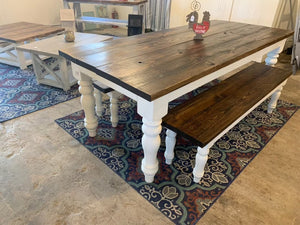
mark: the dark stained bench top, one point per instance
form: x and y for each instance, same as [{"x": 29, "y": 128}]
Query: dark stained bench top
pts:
[{"x": 205, "y": 116}]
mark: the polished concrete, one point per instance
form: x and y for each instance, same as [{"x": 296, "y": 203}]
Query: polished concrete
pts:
[{"x": 47, "y": 177}]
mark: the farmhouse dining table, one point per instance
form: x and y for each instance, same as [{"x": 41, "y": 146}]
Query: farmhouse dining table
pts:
[{"x": 156, "y": 68}]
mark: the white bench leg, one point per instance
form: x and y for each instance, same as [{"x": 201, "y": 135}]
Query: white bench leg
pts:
[
  {"x": 274, "y": 98},
  {"x": 114, "y": 108},
  {"x": 201, "y": 156},
  {"x": 170, "y": 145},
  {"x": 98, "y": 101},
  {"x": 201, "y": 159}
]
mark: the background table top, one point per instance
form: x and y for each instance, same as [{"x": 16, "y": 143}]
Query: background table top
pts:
[
  {"x": 23, "y": 31},
  {"x": 51, "y": 45},
  {"x": 154, "y": 64}
]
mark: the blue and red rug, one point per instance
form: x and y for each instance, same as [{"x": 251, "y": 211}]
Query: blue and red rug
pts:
[
  {"x": 20, "y": 93},
  {"x": 173, "y": 191}
]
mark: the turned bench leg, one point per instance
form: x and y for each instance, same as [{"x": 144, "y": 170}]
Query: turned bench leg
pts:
[
  {"x": 200, "y": 162},
  {"x": 98, "y": 100},
  {"x": 274, "y": 98},
  {"x": 114, "y": 118},
  {"x": 170, "y": 145},
  {"x": 201, "y": 157}
]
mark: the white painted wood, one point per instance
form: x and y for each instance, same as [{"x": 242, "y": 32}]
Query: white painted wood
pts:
[
  {"x": 98, "y": 101},
  {"x": 170, "y": 145},
  {"x": 10, "y": 56},
  {"x": 21, "y": 59},
  {"x": 272, "y": 56},
  {"x": 88, "y": 103},
  {"x": 151, "y": 143},
  {"x": 274, "y": 98},
  {"x": 114, "y": 108},
  {"x": 201, "y": 160}
]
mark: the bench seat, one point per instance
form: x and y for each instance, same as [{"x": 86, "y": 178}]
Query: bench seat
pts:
[{"x": 208, "y": 116}]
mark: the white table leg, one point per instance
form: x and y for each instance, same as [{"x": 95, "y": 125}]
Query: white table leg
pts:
[
  {"x": 88, "y": 103},
  {"x": 152, "y": 113},
  {"x": 150, "y": 142}
]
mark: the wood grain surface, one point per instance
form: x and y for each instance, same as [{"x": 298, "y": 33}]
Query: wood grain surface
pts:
[
  {"x": 205, "y": 116},
  {"x": 154, "y": 64},
  {"x": 23, "y": 31}
]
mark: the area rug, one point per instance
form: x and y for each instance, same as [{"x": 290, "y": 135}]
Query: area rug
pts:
[
  {"x": 20, "y": 93},
  {"x": 173, "y": 191}
]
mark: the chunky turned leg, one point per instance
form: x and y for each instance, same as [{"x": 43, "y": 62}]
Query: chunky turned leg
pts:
[
  {"x": 170, "y": 145},
  {"x": 88, "y": 104},
  {"x": 272, "y": 56},
  {"x": 151, "y": 143},
  {"x": 274, "y": 98},
  {"x": 201, "y": 159},
  {"x": 98, "y": 101},
  {"x": 114, "y": 108}
]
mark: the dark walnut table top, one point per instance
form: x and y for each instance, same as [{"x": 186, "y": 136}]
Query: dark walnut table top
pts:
[
  {"x": 154, "y": 64},
  {"x": 23, "y": 31}
]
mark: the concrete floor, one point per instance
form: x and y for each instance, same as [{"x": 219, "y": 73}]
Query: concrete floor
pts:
[{"x": 47, "y": 177}]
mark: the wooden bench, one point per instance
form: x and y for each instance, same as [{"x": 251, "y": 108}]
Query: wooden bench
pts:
[{"x": 208, "y": 116}]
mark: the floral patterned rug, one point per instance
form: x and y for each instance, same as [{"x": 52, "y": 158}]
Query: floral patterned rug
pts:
[
  {"x": 20, "y": 93},
  {"x": 173, "y": 191}
]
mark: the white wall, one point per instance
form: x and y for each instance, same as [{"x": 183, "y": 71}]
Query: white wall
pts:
[
  {"x": 261, "y": 12},
  {"x": 47, "y": 11},
  {"x": 249, "y": 11},
  {"x": 35, "y": 11},
  {"x": 219, "y": 9}
]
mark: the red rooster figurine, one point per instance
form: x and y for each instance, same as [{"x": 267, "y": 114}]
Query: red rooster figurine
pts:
[
  {"x": 198, "y": 28},
  {"x": 202, "y": 28}
]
